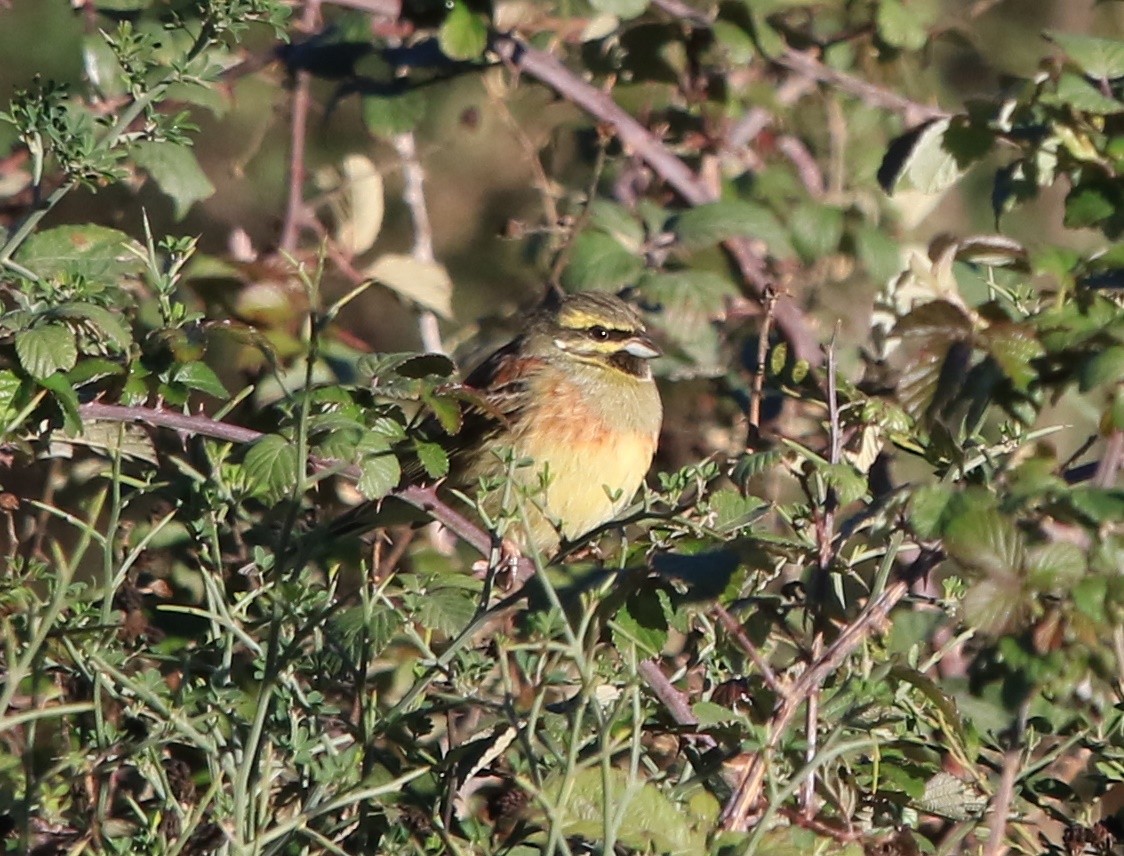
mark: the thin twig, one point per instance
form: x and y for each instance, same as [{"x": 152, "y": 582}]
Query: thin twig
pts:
[
  {"x": 758, "y": 390},
  {"x": 1111, "y": 460},
  {"x": 733, "y": 627},
  {"x": 413, "y": 193},
  {"x": 645, "y": 145},
  {"x": 422, "y": 497},
  {"x": 298, "y": 131},
  {"x": 1001, "y": 805}
]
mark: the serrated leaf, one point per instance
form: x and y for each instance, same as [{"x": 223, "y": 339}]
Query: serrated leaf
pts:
[
  {"x": 10, "y": 388},
  {"x": 648, "y": 821},
  {"x": 599, "y": 262},
  {"x": 109, "y": 324},
  {"x": 710, "y": 224},
  {"x": 949, "y": 797},
  {"x": 46, "y": 349},
  {"x": 1056, "y": 566},
  {"x": 176, "y": 171},
  {"x": 982, "y": 540},
  {"x": 1097, "y": 57},
  {"x": 379, "y": 475},
  {"x": 1091, "y": 203},
  {"x": 733, "y": 511},
  {"x": 463, "y": 34},
  {"x": 995, "y": 605},
  {"x": 446, "y": 610},
  {"x": 200, "y": 376},
  {"x": 447, "y": 410},
  {"x": 433, "y": 457},
  {"x": 90, "y": 251},
  {"x": 617, "y": 221},
  {"x": 271, "y": 466},
  {"x": 1014, "y": 349},
  {"x": 425, "y": 283}
]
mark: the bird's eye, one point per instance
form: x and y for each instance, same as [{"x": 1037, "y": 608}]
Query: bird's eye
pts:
[{"x": 599, "y": 333}]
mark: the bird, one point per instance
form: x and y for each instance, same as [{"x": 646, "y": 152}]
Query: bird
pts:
[{"x": 569, "y": 410}]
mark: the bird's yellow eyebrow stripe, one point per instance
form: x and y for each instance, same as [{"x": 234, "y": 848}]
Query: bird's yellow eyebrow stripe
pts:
[{"x": 578, "y": 320}]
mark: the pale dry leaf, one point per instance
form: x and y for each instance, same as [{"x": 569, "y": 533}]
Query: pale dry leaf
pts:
[
  {"x": 425, "y": 283},
  {"x": 361, "y": 206}
]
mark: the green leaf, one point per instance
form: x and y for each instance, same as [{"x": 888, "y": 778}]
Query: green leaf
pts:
[
  {"x": 271, "y": 466},
  {"x": 176, "y": 170},
  {"x": 463, "y": 34},
  {"x": 933, "y": 157},
  {"x": 1057, "y": 566},
  {"x": 732, "y": 511},
  {"x": 1014, "y": 349},
  {"x": 1097, "y": 57},
  {"x": 599, "y": 262},
  {"x": 816, "y": 230},
  {"x": 1106, "y": 366},
  {"x": 46, "y": 349},
  {"x": 617, "y": 221},
  {"x": 93, "y": 252},
  {"x": 623, "y": 9},
  {"x": 648, "y": 821},
  {"x": 379, "y": 475},
  {"x": 1089, "y": 597},
  {"x": 905, "y": 26},
  {"x": 1090, "y": 203},
  {"x": 981, "y": 539},
  {"x": 643, "y": 621},
  {"x": 433, "y": 458},
  {"x": 707, "y": 225},
  {"x": 446, "y": 610},
  {"x": 10, "y": 387},
  {"x": 1100, "y": 505},
  {"x": 447, "y": 410},
  {"x": 109, "y": 324},
  {"x": 200, "y": 376},
  {"x": 927, "y": 509},
  {"x": 396, "y": 112},
  {"x": 67, "y": 400}
]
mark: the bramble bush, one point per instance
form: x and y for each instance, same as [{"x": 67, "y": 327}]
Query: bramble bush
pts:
[{"x": 870, "y": 600}]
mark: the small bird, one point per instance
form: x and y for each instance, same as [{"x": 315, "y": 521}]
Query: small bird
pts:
[{"x": 572, "y": 399}]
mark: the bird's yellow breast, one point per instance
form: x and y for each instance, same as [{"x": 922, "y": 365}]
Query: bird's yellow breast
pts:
[{"x": 591, "y": 461}]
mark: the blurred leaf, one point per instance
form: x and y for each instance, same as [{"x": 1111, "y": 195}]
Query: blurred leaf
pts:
[
  {"x": 67, "y": 400},
  {"x": 463, "y": 34},
  {"x": 1106, "y": 366},
  {"x": 425, "y": 283},
  {"x": 1091, "y": 203},
  {"x": 816, "y": 230},
  {"x": 379, "y": 475},
  {"x": 617, "y": 221},
  {"x": 981, "y": 539},
  {"x": 46, "y": 349},
  {"x": 706, "y": 225},
  {"x": 648, "y": 820},
  {"x": 89, "y": 251},
  {"x": 1100, "y": 505},
  {"x": 949, "y": 797},
  {"x": 396, "y": 111},
  {"x": 927, "y": 508},
  {"x": 359, "y": 215},
  {"x": 1055, "y": 567},
  {"x": 175, "y": 169},
  {"x": 1097, "y": 57},
  {"x": 1014, "y": 348},
  {"x": 933, "y": 157},
  {"x": 110, "y": 325},
  {"x": 995, "y": 605},
  {"x": 272, "y": 467},
  {"x": 599, "y": 262},
  {"x": 905, "y": 26},
  {"x": 623, "y": 9}
]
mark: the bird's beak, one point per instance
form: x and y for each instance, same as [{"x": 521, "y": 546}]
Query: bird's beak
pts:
[{"x": 643, "y": 347}]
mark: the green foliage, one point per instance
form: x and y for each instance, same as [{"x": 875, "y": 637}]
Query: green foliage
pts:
[{"x": 886, "y": 612}]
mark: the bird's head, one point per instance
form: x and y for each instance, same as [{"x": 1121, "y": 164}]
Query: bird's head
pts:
[{"x": 597, "y": 329}]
